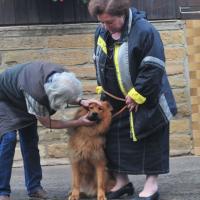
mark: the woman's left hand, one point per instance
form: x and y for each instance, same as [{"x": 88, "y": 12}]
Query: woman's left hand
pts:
[
  {"x": 131, "y": 104},
  {"x": 86, "y": 102}
]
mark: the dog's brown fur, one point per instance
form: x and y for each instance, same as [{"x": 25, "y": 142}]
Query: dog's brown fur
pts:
[{"x": 86, "y": 152}]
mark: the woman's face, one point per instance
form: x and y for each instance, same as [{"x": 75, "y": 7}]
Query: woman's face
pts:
[{"x": 111, "y": 23}]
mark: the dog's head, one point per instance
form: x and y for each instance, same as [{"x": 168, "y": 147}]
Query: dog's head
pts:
[{"x": 97, "y": 112}]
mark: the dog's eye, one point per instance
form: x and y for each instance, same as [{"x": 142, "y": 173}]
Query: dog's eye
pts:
[{"x": 100, "y": 108}]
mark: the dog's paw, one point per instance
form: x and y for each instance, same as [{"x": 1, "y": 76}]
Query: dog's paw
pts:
[
  {"x": 101, "y": 197},
  {"x": 74, "y": 196}
]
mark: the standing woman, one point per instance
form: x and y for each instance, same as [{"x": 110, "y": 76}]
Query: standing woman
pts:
[{"x": 130, "y": 64}]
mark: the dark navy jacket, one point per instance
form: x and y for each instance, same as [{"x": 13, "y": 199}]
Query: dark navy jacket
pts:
[{"x": 146, "y": 67}]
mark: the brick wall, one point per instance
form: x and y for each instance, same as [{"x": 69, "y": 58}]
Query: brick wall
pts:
[
  {"x": 193, "y": 42},
  {"x": 72, "y": 45},
  {"x": 177, "y": 68}
]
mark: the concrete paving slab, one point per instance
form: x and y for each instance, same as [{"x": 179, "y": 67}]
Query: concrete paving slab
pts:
[{"x": 182, "y": 183}]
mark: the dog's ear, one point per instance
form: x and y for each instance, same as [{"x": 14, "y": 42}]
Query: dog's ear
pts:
[{"x": 107, "y": 105}]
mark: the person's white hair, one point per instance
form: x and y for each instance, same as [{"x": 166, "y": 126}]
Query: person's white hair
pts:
[{"x": 62, "y": 89}]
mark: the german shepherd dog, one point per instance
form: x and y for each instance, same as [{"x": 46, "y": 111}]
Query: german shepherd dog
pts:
[{"x": 86, "y": 153}]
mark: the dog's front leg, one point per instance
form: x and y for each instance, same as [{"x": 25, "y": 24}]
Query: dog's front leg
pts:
[
  {"x": 75, "y": 194},
  {"x": 100, "y": 169}
]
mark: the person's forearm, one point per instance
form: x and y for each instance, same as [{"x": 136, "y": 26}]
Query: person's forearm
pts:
[
  {"x": 61, "y": 124},
  {"x": 58, "y": 124},
  {"x": 80, "y": 101}
]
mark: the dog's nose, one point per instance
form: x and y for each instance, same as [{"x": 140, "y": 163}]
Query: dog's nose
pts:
[{"x": 94, "y": 114}]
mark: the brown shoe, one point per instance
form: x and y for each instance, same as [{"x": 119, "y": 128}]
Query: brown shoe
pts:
[
  {"x": 38, "y": 194},
  {"x": 4, "y": 198}
]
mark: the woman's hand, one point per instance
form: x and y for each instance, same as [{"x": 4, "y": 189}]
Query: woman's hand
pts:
[
  {"x": 86, "y": 102},
  {"x": 84, "y": 121},
  {"x": 131, "y": 104}
]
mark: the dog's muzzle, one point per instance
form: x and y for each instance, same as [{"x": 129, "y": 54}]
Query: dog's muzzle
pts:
[{"x": 94, "y": 117}]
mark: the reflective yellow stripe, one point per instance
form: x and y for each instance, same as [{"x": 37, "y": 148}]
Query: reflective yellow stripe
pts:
[
  {"x": 102, "y": 44},
  {"x": 99, "y": 89},
  {"x": 116, "y": 55},
  {"x": 132, "y": 128},
  {"x": 136, "y": 96},
  {"x": 119, "y": 78}
]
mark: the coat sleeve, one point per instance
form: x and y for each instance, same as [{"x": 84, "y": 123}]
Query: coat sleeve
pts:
[
  {"x": 99, "y": 87},
  {"x": 150, "y": 71},
  {"x": 97, "y": 32}
]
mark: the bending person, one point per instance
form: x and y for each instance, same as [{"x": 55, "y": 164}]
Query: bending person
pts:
[{"x": 30, "y": 92}]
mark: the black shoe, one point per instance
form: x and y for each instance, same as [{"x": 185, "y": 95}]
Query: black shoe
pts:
[
  {"x": 127, "y": 190},
  {"x": 154, "y": 196},
  {"x": 38, "y": 194}
]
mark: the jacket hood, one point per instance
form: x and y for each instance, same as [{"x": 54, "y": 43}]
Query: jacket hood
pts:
[{"x": 137, "y": 14}]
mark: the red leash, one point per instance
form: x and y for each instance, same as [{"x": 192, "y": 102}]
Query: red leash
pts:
[{"x": 119, "y": 99}]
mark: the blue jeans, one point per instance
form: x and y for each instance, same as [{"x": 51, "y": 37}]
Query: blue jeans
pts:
[{"x": 28, "y": 138}]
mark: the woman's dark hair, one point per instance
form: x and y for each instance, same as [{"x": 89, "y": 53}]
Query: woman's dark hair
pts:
[{"x": 112, "y": 7}]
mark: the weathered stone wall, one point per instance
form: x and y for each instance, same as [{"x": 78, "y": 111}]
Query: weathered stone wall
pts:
[
  {"x": 72, "y": 45},
  {"x": 193, "y": 42}
]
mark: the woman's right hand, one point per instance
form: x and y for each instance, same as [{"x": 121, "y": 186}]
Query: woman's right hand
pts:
[
  {"x": 84, "y": 121},
  {"x": 131, "y": 104}
]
